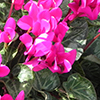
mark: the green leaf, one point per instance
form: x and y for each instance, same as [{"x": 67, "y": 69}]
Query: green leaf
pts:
[
  {"x": 8, "y": 53},
  {"x": 46, "y": 80},
  {"x": 79, "y": 88},
  {"x": 1, "y": 46},
  {"x": 78, "y": 68},
  {"x": 94, "y": 58},
  {"x": 76, "y": 37},
  {"x": 92, "y": 71},
  {"x": 22, "y": 82}
]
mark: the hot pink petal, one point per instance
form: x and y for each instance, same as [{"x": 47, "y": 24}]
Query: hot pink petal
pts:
[
  {"x": 18, "y": 4},
  {"x": 57, "y": 13},
  {"x": 27, "y": 5},
  {"x": 53, "y": 23},
  {"x": 10, "y": 23},
  {"x": 33, "y": 11},
  {"x": 17, "y": 7},
  {"x": 45, "y": 26},
  {"x": 4, "y": 70},
  {"x": 67, "y": 66},
  {"x": 30, "y": 51},
  {"x": 74, "y": 7},
  {"x": 59, "y": 47},
  {"x": 55, "y": 68},
  {"x": 20, "y": 96},
  {"x": 26, "y": 39},
  {"x": 40, "y": 66},
  {"x": 7, "y": 35},
  {"x": 32, "y": 63},
  {"x": 25, "y": 22},
  {"x": 42, "y": 48},
  {"x": 36, "y": 28},
  {"x": 45, "y": 14},
  {"x": 72, "y": 56},
  {"x": 95, "y": 13},
  {"x": 60, "y": 31},
  {"x": 45, "y": 3},
  {"x": 6, "y": 97},
  {"x": 99, "y": 30},
  {"x": 56, "y": 3}
]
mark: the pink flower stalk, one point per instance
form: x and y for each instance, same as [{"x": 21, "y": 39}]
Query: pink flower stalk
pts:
[
  {"x": 85, "y": 8},
  {"x": 18, "y": 4},
  {"x": 20, "y": 96},
  {"x": 59, "y": 61},
  {"x": 4, "y": 70},
  {"x": 9, "y": 31}
]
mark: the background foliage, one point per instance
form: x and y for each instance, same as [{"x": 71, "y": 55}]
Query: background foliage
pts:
[{"x": 81, "y": 83}]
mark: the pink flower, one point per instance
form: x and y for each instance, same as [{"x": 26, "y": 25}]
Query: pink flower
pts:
[
  {"x": 4, "y": 70},
  {"x": 41, "y": 45},
  {"x": 85, "y": 8},
  {"x": 9, "y": 31},
  {"x": 59, "y": 61},
  {"x": 20, "y": 96},
  {"x": 18, "y": 4}
]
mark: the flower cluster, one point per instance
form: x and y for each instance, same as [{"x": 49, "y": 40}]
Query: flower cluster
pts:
[
  {"x": 44, "y": 47},
  {"x": 43, "y": 21}
]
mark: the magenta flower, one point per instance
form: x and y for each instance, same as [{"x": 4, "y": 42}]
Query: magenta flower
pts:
[
  {"x": 85, "y": 8},
  {"x": 4, "y": 70},
  {"x": 20, "y": 96},
  {"x": 41, "y": 45},
  {"x": 59, "y": 61},
  {"x": 18, "y": 4},
  {"x": 9, "y": 31}
]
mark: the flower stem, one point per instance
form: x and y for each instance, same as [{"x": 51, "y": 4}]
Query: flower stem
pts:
[
  {"x": 87, "y": 46},
  {"x": 12, "y": 4},
  {"x": 29, "y": 30}
]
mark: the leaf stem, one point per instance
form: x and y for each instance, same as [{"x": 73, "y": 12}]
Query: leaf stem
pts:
[
  {"x": 87, "y": 46},
  {"x": 65, "y": 93}
]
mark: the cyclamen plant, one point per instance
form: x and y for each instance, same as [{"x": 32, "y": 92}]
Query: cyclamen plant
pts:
[{"x": 38, "y": 61}]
